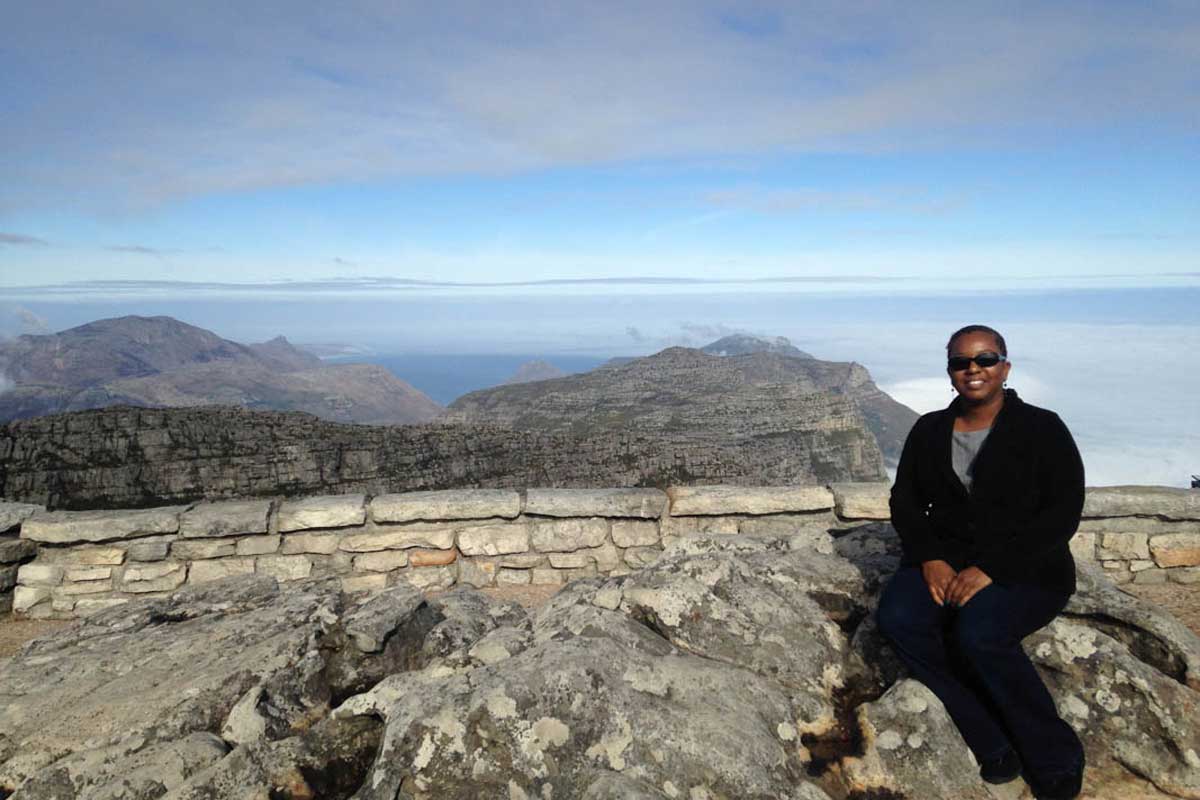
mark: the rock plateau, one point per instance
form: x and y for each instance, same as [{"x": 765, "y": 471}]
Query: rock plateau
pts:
[
  {"x": 133, "y": 457},
  {"x": 733, "y": 667}
]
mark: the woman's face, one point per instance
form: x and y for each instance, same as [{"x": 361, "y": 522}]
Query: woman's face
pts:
[{"x": 977, "y": 384}]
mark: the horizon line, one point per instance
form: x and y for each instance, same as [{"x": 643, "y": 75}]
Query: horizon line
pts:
[{"x": 385, "y": 282}]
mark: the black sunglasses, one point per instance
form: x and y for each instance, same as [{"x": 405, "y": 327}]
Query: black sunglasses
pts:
[{"x": 987, "y": 359}]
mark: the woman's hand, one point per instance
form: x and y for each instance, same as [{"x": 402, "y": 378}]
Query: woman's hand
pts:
[
  {"x": 965, "y": 585},
  {"x": 938, "y": 576}
]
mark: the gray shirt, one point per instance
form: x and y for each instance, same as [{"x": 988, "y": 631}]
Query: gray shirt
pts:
[{"x": 964, "y": 447}]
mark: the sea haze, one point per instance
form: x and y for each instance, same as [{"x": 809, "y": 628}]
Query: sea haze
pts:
[{"x": 1114, "y": 363}]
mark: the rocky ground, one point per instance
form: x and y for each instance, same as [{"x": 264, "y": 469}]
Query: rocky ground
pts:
[
  {"x": 624, "y": 687},
  {"x": 1183, "y": 604}
]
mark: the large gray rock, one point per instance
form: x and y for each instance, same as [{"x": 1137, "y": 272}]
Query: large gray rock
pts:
[
  {"x": 1123, "y": 708},
  {"x": 1154, "y": 635},
  {"x": 128, "y": 770},
  {"x": 912, "y": 749},
  {"x": 324, "y": 763},
  {"x": 155, "y": 671},
  {"x": 143, "y": 698},
  {"x": 741, "y": 666},
  {"x": 644, "y": 675},
  {"x": 13, "y": 514},
  {"x": 532, "y": 720}
]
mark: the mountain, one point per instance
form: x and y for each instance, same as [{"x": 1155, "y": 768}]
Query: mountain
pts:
[
  {"x": 284, "y": 355},
  {"x": 110, "y": 349},
  {"x": 688, "y": 400},
  {"x": 162, "y": 362},
  {"x": 537, "y": 370},
  {"x": 888, "y": 420},
  {"x": 740, "y": 344},
  {"x": 687, "y": 393}
]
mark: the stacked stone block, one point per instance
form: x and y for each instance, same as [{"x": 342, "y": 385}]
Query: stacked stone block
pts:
[
  {"x": 1143, "y": 534},
  {"x": 89, "y": 560},
  {"x": 14, "y": 551}
]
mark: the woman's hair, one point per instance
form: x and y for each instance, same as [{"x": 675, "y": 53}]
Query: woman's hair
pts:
[{"x": 995, "y": 334}]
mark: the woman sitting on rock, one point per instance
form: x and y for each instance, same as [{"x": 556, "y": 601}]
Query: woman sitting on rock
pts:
[{"x": 988, "y": 493}]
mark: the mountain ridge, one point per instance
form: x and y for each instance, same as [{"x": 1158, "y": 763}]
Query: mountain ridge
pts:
[
  {"x": 667, "y": 390},
  {"x": 163, "y": 362}
]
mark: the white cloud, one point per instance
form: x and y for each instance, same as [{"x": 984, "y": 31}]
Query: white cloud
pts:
[
  {"x": 16, "y": 320},
  {"x": 921, "y": 394},
  {"x": 184, "y": 99}
]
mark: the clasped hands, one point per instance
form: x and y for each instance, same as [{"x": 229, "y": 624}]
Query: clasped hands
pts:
[{"x": 947, "y": 586}]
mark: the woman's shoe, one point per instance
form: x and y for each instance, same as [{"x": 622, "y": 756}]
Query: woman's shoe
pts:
[{"x": 1002, "y": 768}]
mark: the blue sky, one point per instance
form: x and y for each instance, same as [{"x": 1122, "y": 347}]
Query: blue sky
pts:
[{"x": 477, "y": 142}]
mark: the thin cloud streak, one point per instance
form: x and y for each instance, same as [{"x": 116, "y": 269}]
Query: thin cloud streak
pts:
[
  {"x": 140, "y": 250},
  {"x": 375, "y": 284},
  {"x": 21, "y": 240}
]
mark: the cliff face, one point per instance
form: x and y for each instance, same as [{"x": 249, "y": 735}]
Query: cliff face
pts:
[
  {"x": 691, "y": 394},
  {"x": 133, "y": 457}
]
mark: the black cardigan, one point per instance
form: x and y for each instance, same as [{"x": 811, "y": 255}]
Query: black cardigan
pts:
[{"x": 1023, "y": 508}]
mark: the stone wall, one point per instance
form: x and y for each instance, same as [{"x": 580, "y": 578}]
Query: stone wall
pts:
[
  {"x": 1142, "y": 534},
  {"x": 89, "y": 560},
  {"x": 14, "y": 551}
]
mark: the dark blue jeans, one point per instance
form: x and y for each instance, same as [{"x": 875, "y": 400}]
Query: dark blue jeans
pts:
[{"x": 971, "y": 658}]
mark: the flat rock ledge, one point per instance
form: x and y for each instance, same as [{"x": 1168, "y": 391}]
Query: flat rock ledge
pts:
[
  {"x": 731, "y": 667},
  {"x": 69, "y": 527},
  {"x": 1151, "y": 501},
  {"x": 703, "y": 500}
]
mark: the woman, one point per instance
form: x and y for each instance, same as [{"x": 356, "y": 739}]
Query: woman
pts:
[{"x": 988, "y": 493}]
